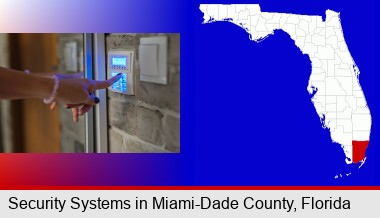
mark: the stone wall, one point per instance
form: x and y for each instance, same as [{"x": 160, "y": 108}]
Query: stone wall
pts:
[{"x": 149, "y": 121}]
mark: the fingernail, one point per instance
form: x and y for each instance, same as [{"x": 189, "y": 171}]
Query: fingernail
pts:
[{"x": 97, "y": 100}]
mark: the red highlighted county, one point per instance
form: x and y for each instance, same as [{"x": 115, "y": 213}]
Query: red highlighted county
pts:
[{"x": 358, "y": 150}]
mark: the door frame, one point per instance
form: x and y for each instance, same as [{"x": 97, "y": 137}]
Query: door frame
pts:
[{"x": 96, "y": 126}]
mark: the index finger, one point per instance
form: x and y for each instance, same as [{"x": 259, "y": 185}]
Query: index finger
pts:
[{"x": 106, "y": 83}]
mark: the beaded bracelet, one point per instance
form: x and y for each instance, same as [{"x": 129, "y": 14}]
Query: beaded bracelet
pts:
[{"x": 55, "y": 89}]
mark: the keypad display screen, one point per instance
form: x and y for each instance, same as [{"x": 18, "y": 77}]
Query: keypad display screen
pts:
[{"x": 119, "y": 61}]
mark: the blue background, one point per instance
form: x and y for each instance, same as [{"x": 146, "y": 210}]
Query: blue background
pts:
[{"x": 246, "y": 116}]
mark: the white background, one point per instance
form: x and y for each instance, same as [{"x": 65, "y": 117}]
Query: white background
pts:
[{"x": 363, "y": 203}]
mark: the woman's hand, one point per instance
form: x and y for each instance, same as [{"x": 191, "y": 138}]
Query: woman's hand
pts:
[
  {"x": 78, "y": 97},
  {"x": 60, "y": 76},
  {"x": 78, "y": 93},
  {"x": 75, "y": 92}
]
